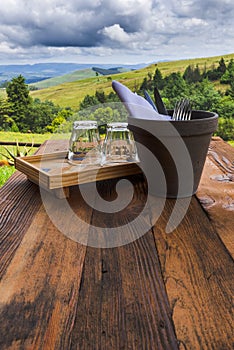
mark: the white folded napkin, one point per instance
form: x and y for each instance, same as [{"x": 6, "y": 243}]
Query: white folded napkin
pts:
[{"x": 136, "y": 105}]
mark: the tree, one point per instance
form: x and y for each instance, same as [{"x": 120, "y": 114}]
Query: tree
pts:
[
  {"x": 18, "y": 96},
  {"x": 112, "y": 97},
  {"x": 150, "y": 76},
  {"x": 88, "y": 101},
  {"x": 188, "y": 74},
  {"x": 158, "y": 79},
  {"x": 222, "y": 67},
  {"x": 6, "y": 122},
  {"x": 144, "y": 85},
  {"x": 204, "y": 96},
  {"x": 100, "y": 96},
  {"x": 196, "y": 75},
  {"x": 226, "y": 128},
  {"x": 228, "y": 76},
  {"x": 62, "y": 117},
  {"x": 225, "y": 107},
  {"x": 175, "y": 88},
  {"x": 40, "y": 114},
  {"x": 230, "y": 92},
  {"x": 5, "y": 107},
  {"x": 216, "y": 73},
  {"x": 192, "y": 75}
]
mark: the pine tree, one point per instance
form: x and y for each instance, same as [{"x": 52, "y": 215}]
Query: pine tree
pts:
[
  {"x": 18, "y": 96},
  {"x": 158, "y": 79},
  {"x": 144, "y": 85},
  {"x": 196, "y": 75},
  {"x": 228, "y": 76},
  {"x": 188, "y": 74},
  {"x": 222, "y": 67}
]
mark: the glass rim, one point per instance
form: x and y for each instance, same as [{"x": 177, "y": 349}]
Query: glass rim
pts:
[
  {"x": 117, "y": 125},
  {"x": 84, "y": 122}
]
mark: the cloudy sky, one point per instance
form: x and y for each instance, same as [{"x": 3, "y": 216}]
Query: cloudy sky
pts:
[{"x": 114, "y": 31}]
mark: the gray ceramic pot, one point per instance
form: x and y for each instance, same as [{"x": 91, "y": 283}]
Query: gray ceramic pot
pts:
[{"x": 172, "y": 153}]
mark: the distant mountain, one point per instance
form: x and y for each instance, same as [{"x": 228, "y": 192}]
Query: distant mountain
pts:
[
  {"x": 114, "y": 70},
  {"x": 65, "y": 78},
  {"x": 40, "y": 71},
  {"x": 80, "y": 75}
]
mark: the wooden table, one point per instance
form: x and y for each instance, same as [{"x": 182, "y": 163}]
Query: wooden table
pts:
[{"x": 161, "y": 291}]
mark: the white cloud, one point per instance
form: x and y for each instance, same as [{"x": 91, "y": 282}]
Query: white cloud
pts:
[
  {"x": 138, "y": 29},
  {"x": 115, "y": 33}
]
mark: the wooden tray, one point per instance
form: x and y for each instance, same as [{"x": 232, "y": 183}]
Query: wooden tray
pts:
[{"x": 53, "y": 172}]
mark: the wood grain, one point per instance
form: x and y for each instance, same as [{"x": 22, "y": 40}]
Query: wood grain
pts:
[
  {"x": 198, "y": 275},
  {"x": 160, "y": 291},
  {"x": 15, "y": 217},
  {"x": 123, "y": 302},
  {"x": 19, "y": 202},
  {"x": 40, "y": 288},
  {"x": 216, "y": 190}
]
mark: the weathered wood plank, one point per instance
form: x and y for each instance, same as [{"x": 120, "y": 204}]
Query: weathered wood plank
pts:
[
  {"x": 216, "y": 190},
  {"x": 197, "y": 269},
  {"x": 19, "y": 202},
  {"x": 58, "y": 294},
  {"x": 122, "y": 302},
  {"x": 40, "y": 269},
  {"x": 40, "y": 288}
]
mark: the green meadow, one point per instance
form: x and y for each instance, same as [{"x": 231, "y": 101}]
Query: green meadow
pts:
[{"x": 72, "y": 93}]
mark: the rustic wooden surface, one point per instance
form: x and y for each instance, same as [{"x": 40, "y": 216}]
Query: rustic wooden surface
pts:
[
  {"x": 216, "y": 190},
  {"x": 162, "y": 291}
]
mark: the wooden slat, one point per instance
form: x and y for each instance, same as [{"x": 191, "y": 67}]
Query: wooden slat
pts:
[
  {"x": 19, "y": 202},
  {"x": 162, "y": 291},
  {"x": 216, "y": 190},
  {"x": 198, "y": 274},
  {"x": 122, "y": 302},
  {"x": 40, "y": 288}
]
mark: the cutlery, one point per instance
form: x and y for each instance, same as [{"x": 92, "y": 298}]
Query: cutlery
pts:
[
  {"x": 159, "y": 102},
  {"x": 182, "y": 110},
  {"x": 149, "y": 99}
]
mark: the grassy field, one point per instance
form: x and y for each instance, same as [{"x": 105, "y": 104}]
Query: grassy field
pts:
[
  {"x": 20, "y": 137},
  {"x": 75, "y": 76},
  {"x": 72, "y": 93},
  {"x": 7, "y": 171}
]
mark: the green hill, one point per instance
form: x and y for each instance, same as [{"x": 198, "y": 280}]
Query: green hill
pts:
[
  {"x": 110, "y": 71},
  {"x": 66, "y": 78},
  {"x": 77, "y": 75},
  {"x": 72, "y": 93}
]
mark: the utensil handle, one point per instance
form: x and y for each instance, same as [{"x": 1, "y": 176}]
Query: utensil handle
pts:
[
  {"x": 149, "y": 99},
  {"x": 159, "y": 102}
]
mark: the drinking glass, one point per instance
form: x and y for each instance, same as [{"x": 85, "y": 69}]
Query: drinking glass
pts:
[
  {"x": 84, "y": 144},
  {"x": 119, "y": 145}
]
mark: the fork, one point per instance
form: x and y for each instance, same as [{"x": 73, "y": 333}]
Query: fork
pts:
[{"x": 182, "y": 110}]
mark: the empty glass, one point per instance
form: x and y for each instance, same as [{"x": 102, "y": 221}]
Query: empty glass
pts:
[
  {"x": 119, "y": 145},
  {"x": 84, "y": 144}
]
